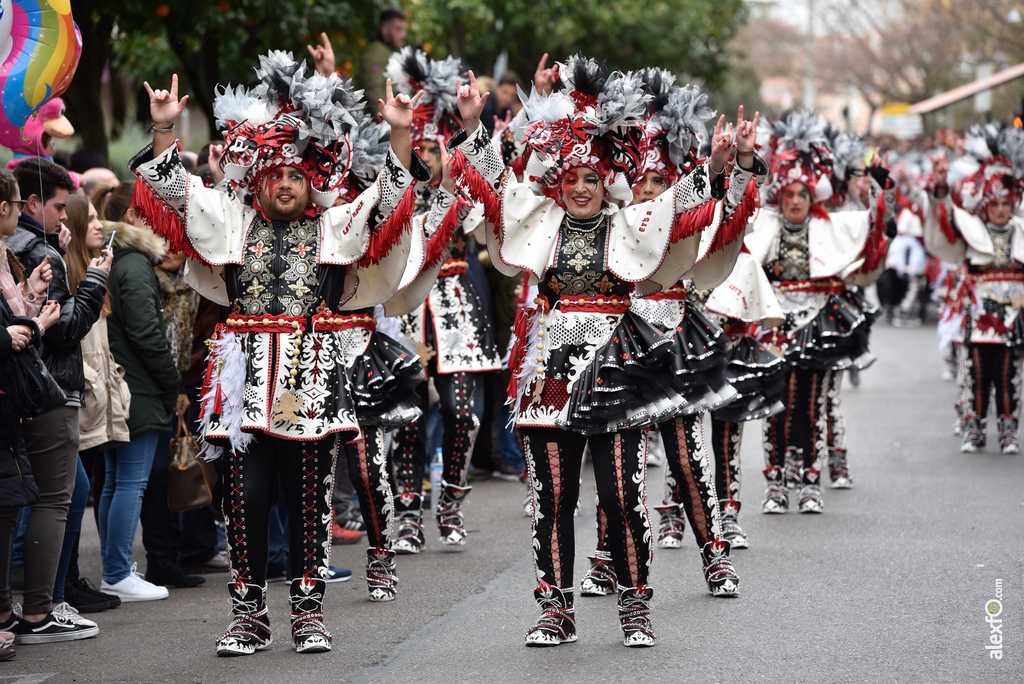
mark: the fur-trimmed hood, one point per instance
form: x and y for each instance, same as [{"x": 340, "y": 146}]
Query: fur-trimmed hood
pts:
[{"x": 142, "y": 240}]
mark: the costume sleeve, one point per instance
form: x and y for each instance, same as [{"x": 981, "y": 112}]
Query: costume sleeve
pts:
[
  {"x": 941, "y": 236},
  {"x": 203, "y": 223}
]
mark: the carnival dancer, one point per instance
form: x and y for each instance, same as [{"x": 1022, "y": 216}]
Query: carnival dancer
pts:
[
  {"x": 277, "y": 394},
  {"x": 450, "y": 330},
  {"x": 985, "y": 235},
  {"x": 808, "y": 254},
  {"x": 586, "y": 370},
  {"x": 675, "y": 123}
]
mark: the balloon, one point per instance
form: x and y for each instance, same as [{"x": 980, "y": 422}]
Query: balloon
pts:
[{"x": 40, "y": 46}]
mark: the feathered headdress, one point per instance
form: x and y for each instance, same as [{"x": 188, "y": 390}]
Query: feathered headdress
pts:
[
  {"x": 289, "y": 119},
  {"x": 1000, "y": 151},
  {"x": 370, "y": 142},
  {"x": 595, "y": 121},
  {"x": 849, "y": 154},
  {"x": 798, "y": 152},
  {"x": 436, "y": 116},
  {"x": 676, "y": 117}
]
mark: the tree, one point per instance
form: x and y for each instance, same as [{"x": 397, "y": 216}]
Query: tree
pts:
[{"x": 685, "y": 36}]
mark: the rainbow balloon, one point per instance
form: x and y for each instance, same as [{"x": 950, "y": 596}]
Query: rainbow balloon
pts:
[{"x": 40, "y": 45}]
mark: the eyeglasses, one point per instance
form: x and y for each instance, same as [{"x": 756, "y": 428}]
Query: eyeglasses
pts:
[{"x": 20, "y": 204}]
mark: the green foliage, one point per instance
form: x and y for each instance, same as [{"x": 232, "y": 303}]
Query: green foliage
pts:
[{"x": 686, "y": 36}]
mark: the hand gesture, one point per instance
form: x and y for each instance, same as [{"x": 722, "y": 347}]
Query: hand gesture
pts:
[
  {"x": 746, "y": 132},
  {"x": 41, "y": 277},
  {"x": 103, "y": 262},
  {"x": 48, "y": 315},
  {"x": 64, "y": 237},
  {"x": 397, "y": 111},
  {"x": 501, "y": 125},
  {"x": 544, "y": 79},
  {"x": 216, "y": 155},
  {"x": 164, "y": 105},
  {"x": 471, "y": 103},
  {"x": 323, "y": 56},
  {"x": 20, "y": 336},
  {"x": 721, "y": 146},
  {"x": 446, "y": 177}
]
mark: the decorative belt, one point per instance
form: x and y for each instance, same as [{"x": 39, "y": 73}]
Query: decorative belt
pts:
[
  {"x": 453, "y": 267},
  {"x": 590, "y": 304},
  {"x": 321, "y": 322},
  {"x": 830, "y": 285},
  {"x": 1013, "y": 275},
  {"x": 675, "y": 292}
]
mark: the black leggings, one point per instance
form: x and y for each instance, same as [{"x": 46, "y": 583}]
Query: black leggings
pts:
[
  {"x": 690, "y": 478},
  {"x": 991, "y": 368},
  {"x": 368, "y": 471},
  {"x": 460, "y": 428},
  {"x": 555, "y": 458},
  {"x": 726, "y": 439},
  {"x": 804, "y": 423},
  {"x": 305, "y": 471}
]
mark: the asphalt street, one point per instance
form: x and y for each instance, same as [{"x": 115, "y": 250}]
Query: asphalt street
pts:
[{"x": 889, "y": 584}]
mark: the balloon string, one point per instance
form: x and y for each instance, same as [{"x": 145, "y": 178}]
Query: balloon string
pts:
[{"x": 39, "y": 169}]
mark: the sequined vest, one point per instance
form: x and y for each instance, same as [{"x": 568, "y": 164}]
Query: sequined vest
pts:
[
  {"x": 794, "y": 257},
  {"x": 280, "y": 273},
  {"x": 579, "y": 267}
]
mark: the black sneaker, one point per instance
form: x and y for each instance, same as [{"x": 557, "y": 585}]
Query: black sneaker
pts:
[
  {"x": 173, "y": 576},
  {"x": 86, "y": 598},
  {"x": 53, "y": 627}
]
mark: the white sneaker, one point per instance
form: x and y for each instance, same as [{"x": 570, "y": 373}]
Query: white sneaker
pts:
[
  {"x": 134, "y": 588},
  {"x": 71, "y": 613}
]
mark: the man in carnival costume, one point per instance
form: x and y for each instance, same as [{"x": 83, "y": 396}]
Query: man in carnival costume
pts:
[
  {"x": 976, "y": 225},
  {"x": 279, "y": 394}
]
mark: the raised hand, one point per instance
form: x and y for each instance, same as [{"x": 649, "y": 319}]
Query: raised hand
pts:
[
  {"x": 164, "y": 105},
  {"x": 323, "y": 56},
  {"x": 397, "y": 111},
  {"x": 544, "y": 79},
  {"x": 103, "y": 262},
  {"x": 216, "y": 154},
  {"x": 746, "y": 131},
  {"x": 471, "y": 103},
  {"x": 721, "y": 146},
  {"x": 501, "y": 125},
  {"x": 41, "y": 277},
  {"x": 446, "y": 175}
]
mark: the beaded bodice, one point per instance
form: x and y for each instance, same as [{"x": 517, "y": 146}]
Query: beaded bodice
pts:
[
  {"x": 579, "y": 267},
  {"x": 793, "y": 261},
  {"x": 280, "y": 273}
]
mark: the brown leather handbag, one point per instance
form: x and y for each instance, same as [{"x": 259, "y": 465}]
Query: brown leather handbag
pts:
[{"x": 190, "y": 480}]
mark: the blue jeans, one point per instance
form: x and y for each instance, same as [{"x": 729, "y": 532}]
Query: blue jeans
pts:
[
  {"x": 79, "y": 498},
  {"x": 125, "y": 480},
  {"x": 508, "y": 445}
]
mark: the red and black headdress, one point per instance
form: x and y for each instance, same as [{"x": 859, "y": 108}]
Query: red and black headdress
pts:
[
  {"x": 675, "y": 126},
  {"x": 1000, "y": 150},
  {"x": 798, "y": 152},
  {"x": 436, "y": 116},
  {"x": 289, "y": 119}
]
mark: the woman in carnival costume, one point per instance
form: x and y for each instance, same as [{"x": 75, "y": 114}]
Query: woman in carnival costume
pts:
[
  {"x": 976, "y": 225},
  {"x": 280, "y": 393},
  {"x": 675, "y": 122},
  {"x": 588, "y": 371},
  {"x": 448, "y": 327},
  {"x": 809, "y": 254}
]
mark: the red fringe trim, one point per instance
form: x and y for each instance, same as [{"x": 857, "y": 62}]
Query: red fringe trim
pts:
[
  {"x": 735, "y": 226},
  {"x": 691, "y": 222},
  {"x": 479, "y": 189},
  {"x": 945, "y": 225},
  {"x": 517, "y": 354},
  {"x": 384, "y": 239},
  {"x": 163, "y": 220},
  {"x": 818, "y": 211},
  {"x": 876, "y": 245},
  {"x": 443, "y": 235}
]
